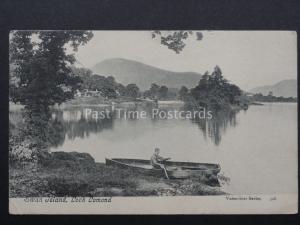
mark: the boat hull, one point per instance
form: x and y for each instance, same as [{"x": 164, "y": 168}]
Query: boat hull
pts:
[{"x": 175, "y": 170}]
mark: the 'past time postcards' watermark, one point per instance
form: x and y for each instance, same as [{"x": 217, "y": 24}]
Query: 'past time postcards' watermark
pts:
[{"x": 155, "y": 113}]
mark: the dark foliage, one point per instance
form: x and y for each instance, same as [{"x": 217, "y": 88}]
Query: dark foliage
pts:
[
  {"x": 40, "y": 76},
  {"x": 214, "y": 91},
  {"x": 175, "y": 40},
  {"x": 157, "y": 92},
  {"x": 270, "y": 98}
]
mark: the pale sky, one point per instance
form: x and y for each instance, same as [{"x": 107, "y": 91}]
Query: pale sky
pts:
[{"x": 247, "y": 58}]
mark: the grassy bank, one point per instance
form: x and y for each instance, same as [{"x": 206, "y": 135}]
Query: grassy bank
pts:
[{"x": 76, "y": 174}]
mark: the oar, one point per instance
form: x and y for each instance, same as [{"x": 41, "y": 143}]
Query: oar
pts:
[{"x": 165, "y": 170}]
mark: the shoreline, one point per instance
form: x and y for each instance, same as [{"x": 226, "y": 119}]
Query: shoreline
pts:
[
  {"x": 77, "y": 174},
  {"x": 95, "y": 102}
]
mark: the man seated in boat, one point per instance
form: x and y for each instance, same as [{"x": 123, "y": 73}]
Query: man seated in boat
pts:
[{"x": 157, "y": 161}]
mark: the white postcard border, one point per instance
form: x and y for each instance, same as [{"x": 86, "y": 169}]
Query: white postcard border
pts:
[{"x": 225, "y": 204}]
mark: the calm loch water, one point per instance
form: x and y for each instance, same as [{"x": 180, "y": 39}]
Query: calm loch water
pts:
[{"x": 257, "y": 148}]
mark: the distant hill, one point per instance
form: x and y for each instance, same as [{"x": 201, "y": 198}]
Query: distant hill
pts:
[
  {"x": 129, "y": 71},
  {"x": 285, "y": 88}
]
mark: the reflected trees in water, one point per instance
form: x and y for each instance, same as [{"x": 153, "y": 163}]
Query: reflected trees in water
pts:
[
  {"x": 215, "y": 127},
  {"x": 73, "y": 123}
]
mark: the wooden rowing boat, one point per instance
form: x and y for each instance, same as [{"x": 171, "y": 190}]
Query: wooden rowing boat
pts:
[{"x": 175, "y": 170}]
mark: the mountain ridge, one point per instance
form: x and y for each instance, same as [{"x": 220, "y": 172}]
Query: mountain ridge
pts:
[
  {"x": 128, "y": 71},
  {"x": 285, "y": 88}
]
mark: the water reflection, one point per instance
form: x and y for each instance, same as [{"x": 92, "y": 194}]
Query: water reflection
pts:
[
  {"x": 78, "y": 123},
  {"x": 73, "y": 123},
  {"x": 215, "y": 127},
  {"x": 263, "y": 134}
]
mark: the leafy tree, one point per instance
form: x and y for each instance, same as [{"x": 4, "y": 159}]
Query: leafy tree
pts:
[
  {"x": 163, "y": 92},
  {"x": 111, "y": 80},
  {"x": 121, "y": 89},
  {"x": 175, "y": 40},
  {"x": 183, "y": 92},
  {"x": 132, "y": 90},
  {"x": 106, "y": 85},
  {"x": 158, "y": 92},
  {"x": 217, "y": 75},
  {"x": 84, "y": 74},
  {"x": 154, "y": 90},
  {"x": 147, "y": 94},
  {"x": 41, "y": 76},
  {"x": 215, "y": 91}
]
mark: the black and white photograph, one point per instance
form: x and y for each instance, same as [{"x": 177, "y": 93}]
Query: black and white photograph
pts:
[{"x": 153, "y": 121}]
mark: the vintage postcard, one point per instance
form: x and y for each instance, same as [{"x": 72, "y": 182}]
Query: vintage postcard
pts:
[{"x": 153, "y": 122}]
